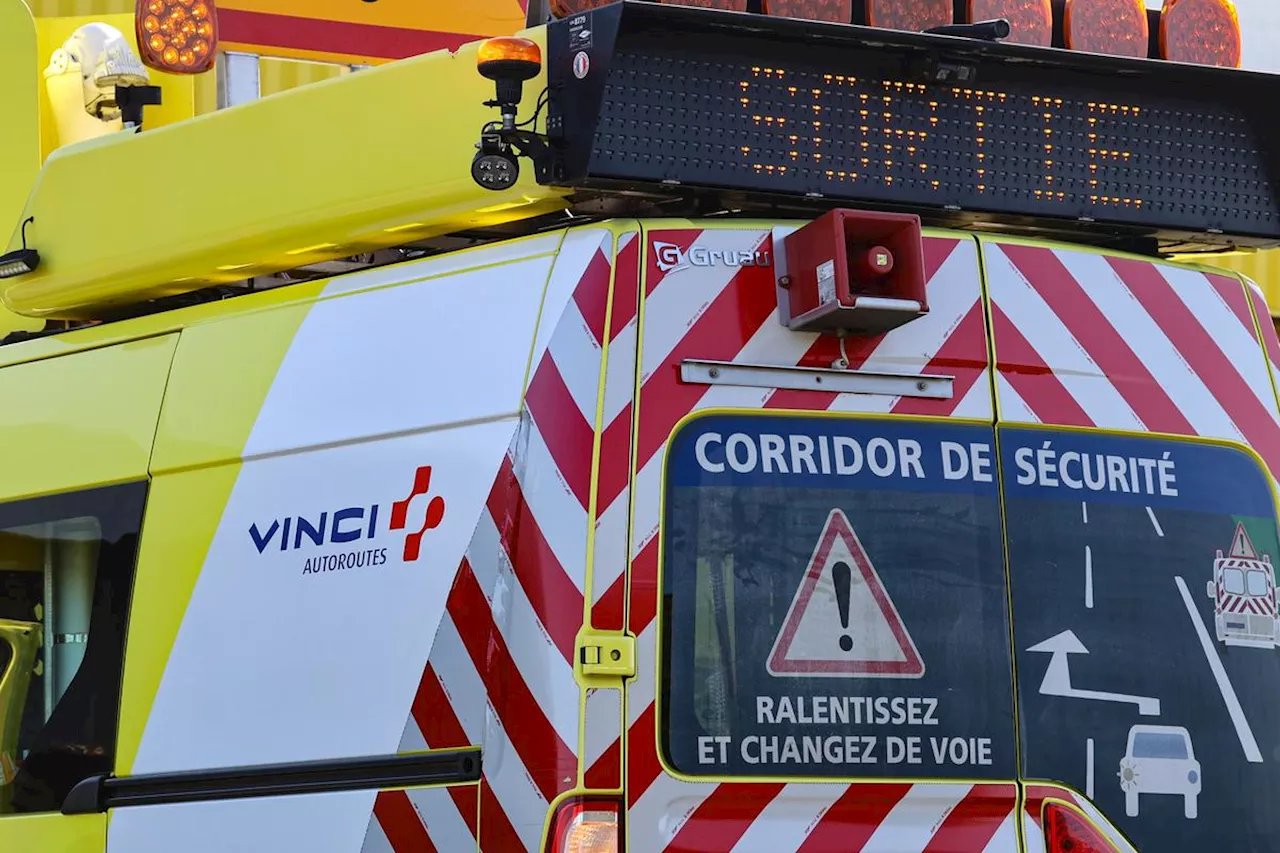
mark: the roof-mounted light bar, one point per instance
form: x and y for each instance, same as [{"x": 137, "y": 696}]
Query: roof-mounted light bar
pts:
[
  {"x": 1204, "y": 32},
  {"x": 1115, "y": 27},
  {"x": 833, "y": 11},
  {"x": 1030, "y": 21}
]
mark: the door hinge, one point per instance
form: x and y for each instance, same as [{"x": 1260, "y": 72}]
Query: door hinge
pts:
[{"x": 606, "y": 655}]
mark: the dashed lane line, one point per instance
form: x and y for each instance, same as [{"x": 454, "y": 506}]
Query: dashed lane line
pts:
[
  {"x": 1154, "y": 523},
  {"x": 1088, "y": 577}
]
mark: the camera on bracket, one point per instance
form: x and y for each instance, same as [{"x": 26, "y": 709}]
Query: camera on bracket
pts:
[{"x": 495, "y": 166}]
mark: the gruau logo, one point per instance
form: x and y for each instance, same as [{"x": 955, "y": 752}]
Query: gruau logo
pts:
[{"x": 671, "y": 258}]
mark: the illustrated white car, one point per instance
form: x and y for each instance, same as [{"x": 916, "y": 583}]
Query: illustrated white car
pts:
[{"x": 1160, "y": 760}]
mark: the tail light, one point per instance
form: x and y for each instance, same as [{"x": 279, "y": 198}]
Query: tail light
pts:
[
  {"x": 1205, "y": 32},
  {"x": 1068, "y": 831},
  {"x": 1117, "y": 27},
  {"x": 177, "y": 36},
  {"x": 836, "y": 11},
  {"x": 586, "y": 825},
  {"x": 1030, "y": 21},
  {"x": 913, "y": 15}
]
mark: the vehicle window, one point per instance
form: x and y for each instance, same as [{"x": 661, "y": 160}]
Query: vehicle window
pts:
[
  {"x": 834, "y": 600},
  {"x": 1159, "y": 746},
  {"x": 1125, "y": 651},
  {"x": 66, "y": 572},
  {"x": 1257, "y": 583}
]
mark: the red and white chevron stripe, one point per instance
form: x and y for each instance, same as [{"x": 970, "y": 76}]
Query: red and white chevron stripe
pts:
[
  {"x": 423, "y": 820},
  {"x": 1085, "y": 339},
  {"x": 730, "y": 314},
  {"x": 1080, "y": 338},
  {"x": 500, "y": 673}
]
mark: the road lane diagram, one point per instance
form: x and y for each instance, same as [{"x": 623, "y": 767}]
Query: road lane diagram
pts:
[{"x": 1149, "y": 692}]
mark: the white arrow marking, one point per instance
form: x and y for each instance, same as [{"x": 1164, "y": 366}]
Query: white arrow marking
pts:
[{"x": 1057, "y": 678}]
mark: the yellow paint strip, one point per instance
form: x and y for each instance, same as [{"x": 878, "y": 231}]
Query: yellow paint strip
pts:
[{"x": 53, "y": 833}]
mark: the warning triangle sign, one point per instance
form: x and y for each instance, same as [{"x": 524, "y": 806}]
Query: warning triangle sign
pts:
[
  {"x": 841, "y": 622},
  {"x": 1241, "y": 545}
]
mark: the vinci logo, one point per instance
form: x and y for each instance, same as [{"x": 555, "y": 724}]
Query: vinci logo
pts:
[
  {"x": 671, "y": 258},
  {"x": 352, "y": 524}
]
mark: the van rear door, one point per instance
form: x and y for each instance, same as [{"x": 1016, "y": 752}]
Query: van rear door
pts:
[
  {"x": 1137, "y": 425},
  {"x": 817, "y": 579}
]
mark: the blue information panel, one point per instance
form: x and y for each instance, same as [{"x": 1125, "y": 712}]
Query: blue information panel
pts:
[
  {"x": 835, "y": 601},
  {"x": 1144, "y": 612}
]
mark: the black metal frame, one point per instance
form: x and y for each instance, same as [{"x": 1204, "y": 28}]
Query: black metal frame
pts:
[
  {"x": 1206, "y": 203},
  {"x": 100, "y": 793}
]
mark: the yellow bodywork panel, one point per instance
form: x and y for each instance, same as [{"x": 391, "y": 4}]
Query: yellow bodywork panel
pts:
[
  {"x": 82, "y": 421},
  {"x": 371, "y": 159},
  {"x": 21, "y": 641},
  {"x": 53, "y": 833},
  {"x": 20, "y": 140},
  {"x": 1263, "y": 267},
  {"x": 183, "y": 512},
  {"x": 221, "y": 374},
  {"x": 20, "y": 155}
]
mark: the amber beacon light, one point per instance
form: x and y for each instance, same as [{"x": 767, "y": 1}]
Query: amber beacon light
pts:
[
  {"x": 1204, "y": 32},
  {"x": 836, "y": 11},
  {"x": 177, "y": 36},
  {"x": 1030, "y": 21},
  {"x": 565, "y": 8},
  {"x": 1116, "y": 27},
  {"x": 911, "y": 15},
  {"x": 509, "y": 61}
]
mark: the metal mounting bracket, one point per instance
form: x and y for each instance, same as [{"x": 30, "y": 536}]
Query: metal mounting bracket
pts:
[{"x": 929, "y": 386}]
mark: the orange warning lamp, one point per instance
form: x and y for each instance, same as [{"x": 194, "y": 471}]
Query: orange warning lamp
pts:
[
  {"x": 509, "y": 61},
  {"x": 509, "y": 57},
  {"x": 1030, "y": 21},
  {"x": 177, "y": 36},
  {"x": 1116, "y": 27},
  {"x": 1204, "y": 32},
  {"x": 836, "y": 11},
  {"x": 913, "y": 15}
]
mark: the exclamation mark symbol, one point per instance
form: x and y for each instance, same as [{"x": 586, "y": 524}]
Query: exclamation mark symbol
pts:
[{"x": 842, "y": 575}]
